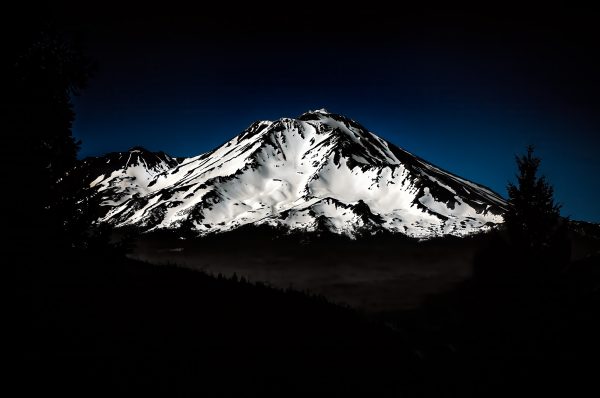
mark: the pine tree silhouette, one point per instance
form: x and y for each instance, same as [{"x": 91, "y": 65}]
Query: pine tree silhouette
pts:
[
  {"x": 533, "y": 220},
  {"x": 47, "y": 69}
]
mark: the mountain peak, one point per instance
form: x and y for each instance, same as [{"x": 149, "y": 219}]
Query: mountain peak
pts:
[
  {"x": 320, "y": 110},
  {"x": 315, "y": 112},
  {"x": 138, "y": 148}
]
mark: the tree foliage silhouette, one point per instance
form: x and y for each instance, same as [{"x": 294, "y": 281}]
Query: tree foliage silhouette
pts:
[
  {"x": 533, "y": 219},
  {"x": 46, "y": 71}
]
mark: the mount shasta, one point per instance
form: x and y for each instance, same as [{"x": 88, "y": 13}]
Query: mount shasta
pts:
[{"x": 321, "y": 171}]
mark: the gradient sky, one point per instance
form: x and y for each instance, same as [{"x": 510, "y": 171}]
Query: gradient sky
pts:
[{"x": 464, "y": 90}]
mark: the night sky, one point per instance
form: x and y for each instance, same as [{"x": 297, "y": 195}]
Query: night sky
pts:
[{"x": 466, "y": 90}]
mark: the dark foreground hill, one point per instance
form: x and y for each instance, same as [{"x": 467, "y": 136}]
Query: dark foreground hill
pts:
[
  {"x": 104, "y": 324},
  {"x": 98, "y": 323}
]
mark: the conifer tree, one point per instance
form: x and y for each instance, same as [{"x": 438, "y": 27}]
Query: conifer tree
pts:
[
  {"x": 533, "y": 219},
  {"x": 45, "y": 72}
]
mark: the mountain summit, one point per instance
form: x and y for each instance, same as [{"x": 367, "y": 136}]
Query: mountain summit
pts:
[{"x": 320, "y": 171}]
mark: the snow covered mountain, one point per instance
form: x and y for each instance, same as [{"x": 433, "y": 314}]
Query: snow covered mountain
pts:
[{"x": 321, "y": 171}]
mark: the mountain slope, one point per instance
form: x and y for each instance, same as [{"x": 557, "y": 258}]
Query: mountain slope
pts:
[
  {"x": 117, "y": 177},
  {"x": 320, "y": 171}
]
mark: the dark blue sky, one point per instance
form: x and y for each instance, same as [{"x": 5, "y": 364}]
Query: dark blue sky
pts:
[{"x": 464, "y": 90}]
